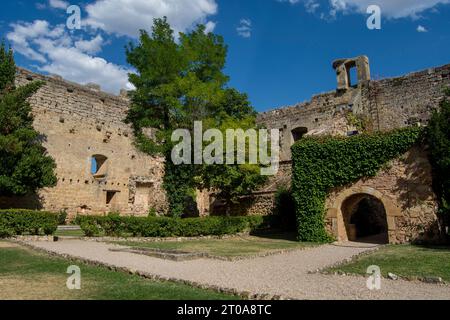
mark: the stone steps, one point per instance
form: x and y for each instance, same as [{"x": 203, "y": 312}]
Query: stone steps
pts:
[{"x": 69, "y": 228}]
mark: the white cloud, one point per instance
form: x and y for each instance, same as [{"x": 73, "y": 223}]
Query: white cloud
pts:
[
  {"x": 92, "y": 46},
  {"x": 421, "y": 29},
  {"x": 310, "y": 5},
  {"x": 390, "y": 8},
  {"x": 24, "y": 32},
  {"x": 57, "y": 50},
  {"x": 72, "y": 64},
  {"x": 245, "y": 28},
  {"x": 126, "y": 17},
  {"x": 210, "y": 26},
  {"x": 58, "y": 4},
  {"x": 290, "y": 1},
  {"x": 40, "y": 6},
  {"x": 57, "y": 53}
]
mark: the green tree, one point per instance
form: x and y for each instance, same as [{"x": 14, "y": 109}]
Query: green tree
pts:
[
  {"x": 24, "y": 165},
  {"x": 439, "y": 141},
  {"x": 231, "y": 182},
  {"x": 177, "y": 83}
]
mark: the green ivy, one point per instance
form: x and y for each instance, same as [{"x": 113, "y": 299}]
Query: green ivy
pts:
[
  {"x": 439, "y": 141},
  {"x": 321, "y": 164},
  {"x": 179, "y": 186}
]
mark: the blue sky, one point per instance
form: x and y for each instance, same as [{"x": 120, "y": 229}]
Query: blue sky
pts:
[{"x": 280, "y": 51}]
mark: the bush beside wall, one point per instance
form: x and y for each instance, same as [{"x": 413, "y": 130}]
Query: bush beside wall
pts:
[
  {"x": 27, "y": 222},
  {"x": 439, "y": 141},
  {"x": 163, "y": 227}
]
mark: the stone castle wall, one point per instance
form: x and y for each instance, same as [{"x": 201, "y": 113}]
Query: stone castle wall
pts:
[
  {"x": 406, "y": 188},
  {"x": 78, "y": 123},
  {"x": 323, "y": 111},
  {"x": 407, "y": 100},
  {"x": 386, "y": 104}
]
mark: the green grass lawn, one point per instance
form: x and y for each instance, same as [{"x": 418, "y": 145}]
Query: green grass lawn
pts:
[
  {"x": 26, "y": 274},
  {"x": 404, "y": 260},
  {"x": 231, "y": 248}
]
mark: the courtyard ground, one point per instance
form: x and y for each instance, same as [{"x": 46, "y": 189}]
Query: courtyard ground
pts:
[
  {"x": 236, "y": 247},
  {"x": 27, "y": 274},
  {"x": 291, "y": 275}
]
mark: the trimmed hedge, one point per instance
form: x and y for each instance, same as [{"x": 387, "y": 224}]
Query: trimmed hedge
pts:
[
  {"x": 321, "y": 164},
  {"x": 163, "y": 227},
  {"x": 27, "y": 222}
]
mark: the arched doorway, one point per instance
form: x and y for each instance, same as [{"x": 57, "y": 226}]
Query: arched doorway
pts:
[{"x": 365, "y": 219}]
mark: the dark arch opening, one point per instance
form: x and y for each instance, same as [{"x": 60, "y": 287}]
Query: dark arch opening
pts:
[
  {"x": 298, "y": 133},
  {"x": 365, "y": 219}
]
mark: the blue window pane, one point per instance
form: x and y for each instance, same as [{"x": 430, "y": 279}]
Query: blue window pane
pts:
[{"x": 93, "y": 166}]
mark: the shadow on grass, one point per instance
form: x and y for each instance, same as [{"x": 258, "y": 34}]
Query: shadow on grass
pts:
[
  {"x": 432, "y": 247},
  {"x": 275, "y": 235}
]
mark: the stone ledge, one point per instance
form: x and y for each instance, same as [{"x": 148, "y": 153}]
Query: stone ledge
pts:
[
  {"x": 169, "y": 239},
  {"x": 187, "y": 256},
  {"x": 34, "y": 238}
]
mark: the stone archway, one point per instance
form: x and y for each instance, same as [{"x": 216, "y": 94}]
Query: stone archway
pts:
[
  {"x": 345, "y": 203},
  {"x": 365, "y": 219}
]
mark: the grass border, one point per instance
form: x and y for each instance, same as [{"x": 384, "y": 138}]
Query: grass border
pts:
[
  {"x": 328, "y": 272},
  {"x": 146, "y": 275}
]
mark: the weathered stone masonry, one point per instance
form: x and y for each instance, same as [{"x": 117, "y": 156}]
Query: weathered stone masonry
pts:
[
  {"x": 79, "y": 124},
  {"x": 405, "y": 190},
  {"x": 387, "y": 104}
]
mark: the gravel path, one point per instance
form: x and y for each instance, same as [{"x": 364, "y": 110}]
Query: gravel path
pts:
[{"x": 284, "y": 274}]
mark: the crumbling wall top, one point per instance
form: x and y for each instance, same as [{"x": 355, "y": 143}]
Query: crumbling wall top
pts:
[
  {"x": 343, "y": 67},
  {"x": 89, "y": 88}
]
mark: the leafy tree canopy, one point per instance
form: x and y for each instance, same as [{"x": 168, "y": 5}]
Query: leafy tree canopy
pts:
[{"x": 180, "y": 81}]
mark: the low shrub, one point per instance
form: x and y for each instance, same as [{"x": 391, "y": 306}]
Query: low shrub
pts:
[
  {"x": 6, "y": 232},
  {"x": 62, "y": 217},
  {"x": 90, "y": 228},
  {"x": 163, "y": 227},
  {"x": 27, "y": 222}
]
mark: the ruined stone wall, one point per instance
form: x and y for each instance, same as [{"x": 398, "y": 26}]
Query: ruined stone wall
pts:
[
  {"x": 407, "y": 100},
  {"x": 77, "y": 123},
  {"x": 384, "y": 104},
  {"x": 260, "y": 203},
  {"x": 405, "y": 189},
  {"x": 324, "y": 111},
  {"x": 387, "y": 104}
]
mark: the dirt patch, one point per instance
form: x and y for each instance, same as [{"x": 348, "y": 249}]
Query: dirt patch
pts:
[
  {"x": 36, "y": 288},
  {"x": 6, "y": 244}
]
